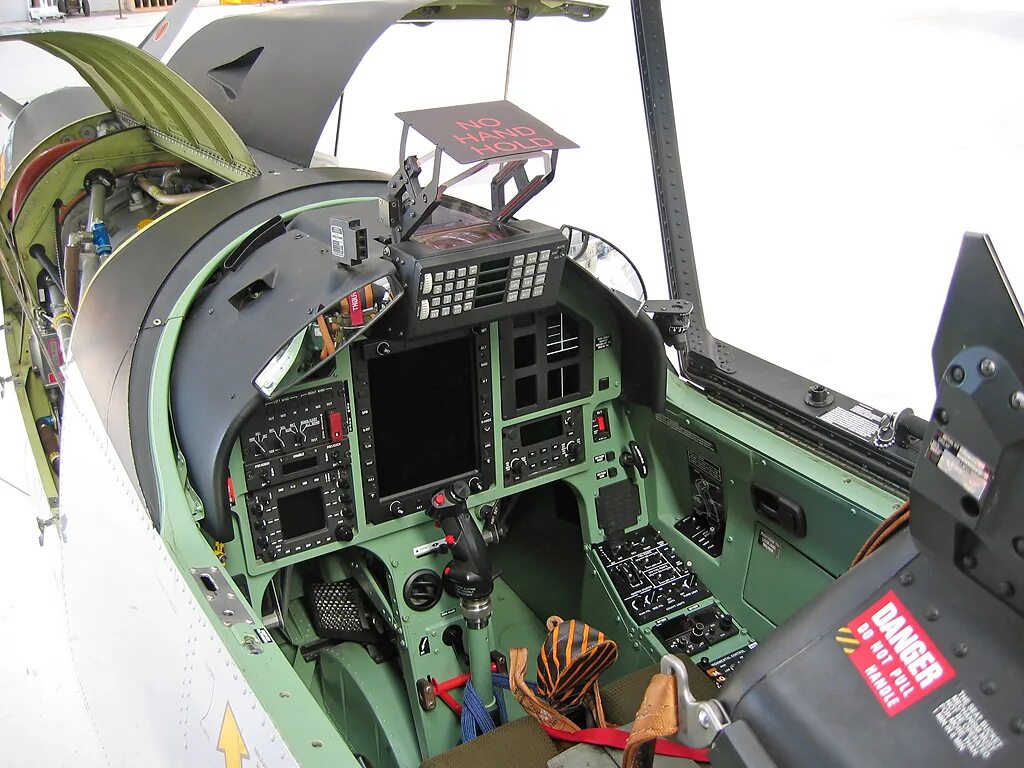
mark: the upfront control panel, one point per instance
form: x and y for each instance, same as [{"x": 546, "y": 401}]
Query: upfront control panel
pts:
[
  {"x": 462, "y": 277},
  {"x": 297, "y": 472},
  {"x": 649, "y": 576},
  {"x": 539, "y": 446}
]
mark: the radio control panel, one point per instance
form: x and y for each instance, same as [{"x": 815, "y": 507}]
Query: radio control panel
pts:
[
  {"x": 540, "y": 446},
  {"x": 298, "y": 479}
]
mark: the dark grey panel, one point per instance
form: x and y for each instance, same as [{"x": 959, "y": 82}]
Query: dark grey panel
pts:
[
  {"x": 115, "y": 355},
  {"x": 809, "y": 705},
  {"x": 45, "y": 115},
  {"x": 223, "y": 348},
  {"x": 276, "y": 76}
]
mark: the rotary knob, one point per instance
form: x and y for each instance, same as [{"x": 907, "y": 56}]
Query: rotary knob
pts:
[{"x": 517, "y": 466}]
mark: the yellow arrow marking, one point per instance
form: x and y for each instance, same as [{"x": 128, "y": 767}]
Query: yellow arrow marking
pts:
[{"x": 230, "y": 741}]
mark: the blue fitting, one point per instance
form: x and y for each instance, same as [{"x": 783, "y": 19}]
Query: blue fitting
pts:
[{"x": 101, "y": 239}]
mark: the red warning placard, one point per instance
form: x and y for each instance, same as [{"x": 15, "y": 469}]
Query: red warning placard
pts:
[
  {"x": 898, "y": 661},
  {"x": 470, "y": 133}
]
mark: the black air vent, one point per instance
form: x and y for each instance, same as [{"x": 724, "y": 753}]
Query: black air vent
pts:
[{"x": 422, "y": 590}]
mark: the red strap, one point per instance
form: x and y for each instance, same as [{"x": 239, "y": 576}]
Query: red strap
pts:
[{"x": 616, "y": 739}]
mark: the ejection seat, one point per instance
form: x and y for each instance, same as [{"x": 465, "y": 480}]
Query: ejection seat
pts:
[{"x": 523, "y": 743}]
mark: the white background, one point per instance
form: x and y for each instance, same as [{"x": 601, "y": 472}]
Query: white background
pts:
[{"x": 833, "y": 154}]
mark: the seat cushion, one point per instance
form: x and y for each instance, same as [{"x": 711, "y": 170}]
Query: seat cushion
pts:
[{"x": 519, "y": 744}]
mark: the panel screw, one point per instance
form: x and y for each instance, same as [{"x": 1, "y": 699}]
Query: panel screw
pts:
[
  {"x": 941, "y": 416},
  {"x": 1017, "y": 400},
  {"x": 1018, "y": 545},
  {"x": 956, "y": 374},
  {"x": 906, "y": 579},
  {"x": 960, "y": 650},
  {"x": 989, "y": 687},
  {"x": 1017, "y": 725},
  {"x": 932, "y": 614},
  {"x": 1006, "y": 588},
  {"x": 987, "y": 367},
  {"x": 968, "y": 562}
]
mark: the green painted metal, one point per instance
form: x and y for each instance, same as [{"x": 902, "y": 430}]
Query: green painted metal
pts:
[
  {"x": 143, "y": 91},
  {"x": 375, "y": 707},
  {"x": 780, "y": 580}
]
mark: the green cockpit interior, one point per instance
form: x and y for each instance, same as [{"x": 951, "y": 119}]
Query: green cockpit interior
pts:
[{"x": 686, "y": 529}]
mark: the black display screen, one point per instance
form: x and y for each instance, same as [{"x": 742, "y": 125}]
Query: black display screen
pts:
[
  {"x": 298, "y": 465},
  {"x": 424, "y": 415},
  {"x": 539, "y": 431},
  {"x": 301, "y": 513}
]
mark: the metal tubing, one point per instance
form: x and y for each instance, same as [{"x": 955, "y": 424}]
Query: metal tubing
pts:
[
  {"x": 97, "y": 205},
  {"x": 162, "y": 197},
  {"x": 478, "y": 645}
]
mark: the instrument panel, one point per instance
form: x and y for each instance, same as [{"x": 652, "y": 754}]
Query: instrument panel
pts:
[{"x": 496, "y": 396}]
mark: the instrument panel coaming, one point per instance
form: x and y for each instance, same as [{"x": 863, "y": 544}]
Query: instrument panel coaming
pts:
[{"x": 343, "y": 462}]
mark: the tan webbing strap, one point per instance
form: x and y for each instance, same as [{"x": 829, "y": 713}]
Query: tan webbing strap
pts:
[
  {"x": 657, "y": 718},
  {"x": 544, "y": 714}
]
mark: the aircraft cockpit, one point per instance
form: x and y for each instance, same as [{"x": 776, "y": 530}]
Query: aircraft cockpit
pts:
[{"x": 408, "y": 425}]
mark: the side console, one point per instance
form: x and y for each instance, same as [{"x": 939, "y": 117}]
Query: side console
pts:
[{"x": 298, "y": 472}]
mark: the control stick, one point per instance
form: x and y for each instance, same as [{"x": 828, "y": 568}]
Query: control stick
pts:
[{"x": 468, "y": 577}]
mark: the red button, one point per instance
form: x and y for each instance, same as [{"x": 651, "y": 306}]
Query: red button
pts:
[
  {"x": 336, "y": 426},
  {"x": 439, "y": 500},
  {"x": 231, "y": 491},
  {"x": 602, "y": 424},
  {"x": 449, "y": 540}
]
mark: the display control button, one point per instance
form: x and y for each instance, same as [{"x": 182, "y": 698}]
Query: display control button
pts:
[
  {"x": 428, "y": 282},
  {"x": 424, "y": 309}
]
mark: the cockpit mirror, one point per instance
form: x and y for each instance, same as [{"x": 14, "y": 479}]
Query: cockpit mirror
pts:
[
  {"x": 609, "y": 265},
  {"x": 333, "y": 329}
]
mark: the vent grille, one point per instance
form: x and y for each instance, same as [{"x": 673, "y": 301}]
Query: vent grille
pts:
[{"x": 422, "y": 590}]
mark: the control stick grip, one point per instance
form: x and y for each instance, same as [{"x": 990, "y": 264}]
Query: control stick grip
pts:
[{"x": 469, "y": 575}]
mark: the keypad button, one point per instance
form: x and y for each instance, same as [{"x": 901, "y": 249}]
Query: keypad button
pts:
[
  {"x": 471, "y": 282},
  {"x": 530, "y": 269},
  {"x": 513, "y": 285},
  {"x": 545, "y": 255},
  {"x": 531, "y": 258},
  {"x": 528, "y": 282},
  {"x": 538, "y": 290},
  {"x": 449, "y": 275},
  {"x": 449, "y": 287},
  {"x": 540, "y": 279},
  {"x": 511, "y": 297},
  {"x": 542, "y": 267},
  {"x": 517, "y": 273},
  {"x": 473, "y": 268},
  {"x": 458, "y": 297},
  {"x": 467, "y": 306},
  {"x": 457, "y": 309},
  {"x": 461, "y": 272},
  {"x": 435, "y": 313},
  {"x": 438, "y": 288},
  {"x": 438, "y": 277},
  {"x": 517, "y": 261},
  {"x": 446, "y": 299},
  {"x": 428, "y": 282},
  {"x": 524, "y": 295},
  {"x": 445, "y": 311},
  {"x": 460, "y": 284},
  {"x": 470, "y": 294},
  {"x": 436, "y": 301}
]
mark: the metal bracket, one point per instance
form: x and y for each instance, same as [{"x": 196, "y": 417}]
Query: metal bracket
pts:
[
  {"x": 672, "y": 318},
  {"x": 58, "y": 521},
  {"x": 225, "y": 603},
  {"x": 699, "y": 721}
]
